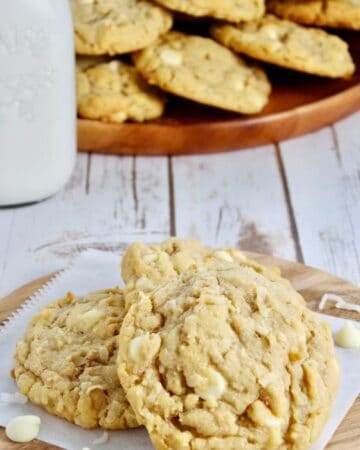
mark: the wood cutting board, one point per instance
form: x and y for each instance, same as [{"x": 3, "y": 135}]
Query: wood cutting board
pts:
[
  {"x": 299, "y": 104},
  {"x": 310, "y": 282}
]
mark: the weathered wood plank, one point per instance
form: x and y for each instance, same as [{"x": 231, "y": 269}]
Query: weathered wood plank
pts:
[
  {"x": 109, "y": 202},
  {"x": 136, "y": 189},
  {"x": 323, "y": 173},
  {"x": 233, "y": 199},
  {"x": 33, "y": 227}
]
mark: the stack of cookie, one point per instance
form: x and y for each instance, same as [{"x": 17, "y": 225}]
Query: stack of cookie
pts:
[
  {"x": 219, "y": 69},
  {"x": 205, "y": 348}
]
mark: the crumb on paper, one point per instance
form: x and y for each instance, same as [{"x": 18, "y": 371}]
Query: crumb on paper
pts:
[
  {"x": 340, "y": 303},
  {"x": 348, "y": 336},
  {"x": 102, "y": 439}
]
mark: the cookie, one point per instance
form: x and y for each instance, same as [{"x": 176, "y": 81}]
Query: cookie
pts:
[
  {"x": 231, "y": 10},
  {"x": 66, "y": 361},
  {"x": 289, "y": 45},
  {"x": 144, "y": 267},
  {"x": 117, "y": 26},
  {"x": 202, "y": 70},
  {"x": 114, "y": 92},
  {"x": 227, "y": 359},
  {"x": 324, "y": 13}
]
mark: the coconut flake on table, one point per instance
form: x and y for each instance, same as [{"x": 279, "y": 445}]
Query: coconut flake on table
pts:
[
  {"x": 340, "y": 303},
  {"x": 101, "y": 439},
  {"x": 7, "y": 397}
]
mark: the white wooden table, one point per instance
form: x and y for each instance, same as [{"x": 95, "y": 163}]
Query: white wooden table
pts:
[{"x": 299, "y": 200}]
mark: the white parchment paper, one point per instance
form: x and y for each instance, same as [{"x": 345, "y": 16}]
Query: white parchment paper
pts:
[{"x": 95, "y": 270}]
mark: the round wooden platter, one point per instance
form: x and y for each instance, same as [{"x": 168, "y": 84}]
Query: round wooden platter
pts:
[
  {"x": 298, "y": 105},
  {"x": 312, "y": 283}
]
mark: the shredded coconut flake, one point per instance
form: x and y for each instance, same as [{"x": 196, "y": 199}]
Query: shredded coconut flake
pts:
[
  {"x": 6, "y": 397},
  {"x": 102, "y": 439},
  {"x": 340, "y": 303}
]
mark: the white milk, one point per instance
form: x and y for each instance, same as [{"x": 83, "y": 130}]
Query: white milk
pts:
[{"x": 37, "y": 99}]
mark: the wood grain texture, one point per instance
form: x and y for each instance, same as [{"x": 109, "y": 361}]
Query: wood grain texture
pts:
[
  {"x": 109, "y": 200},
  {"x": 322, "y": 172},
  {"x": 238, "y": 198},
  {"x": 299, "y": 104},
  {"x": 311, "y": 283}
]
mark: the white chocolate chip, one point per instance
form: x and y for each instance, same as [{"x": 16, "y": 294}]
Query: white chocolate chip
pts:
[
  {"x": 257, "y": 99},
  {"x": 91, "y": 314},
  {"x": 239, "y": 85},
  {"x": 114, "y": 66},
  {"x": 215, "y": 386},
  {"x": 348, "y": 336},
  {"x": 144, "y": 284},
  {"x": 239, "y": 255},
  {"x": 23, "y": 428},
  {"x": 261, "y": 293},
  {"x": 130, "y": 284},
  {"x": 150, "y": 257},
  {"x": 135, "y": 347},
  {"x": 119, "y": 117},
  {"x": 261, "y": 415},
  {"x": 224, "y": 256},
  {"x": 270, "y": 32},
  {"x": 171, "y": 57}
]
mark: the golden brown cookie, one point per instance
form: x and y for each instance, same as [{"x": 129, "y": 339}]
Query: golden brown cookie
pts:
[
  {"x": 144, "y": 267},
  {"x": 227, "y": 359},
  {"x": 278, "y": 41},
  {"x": 66, "y": 361},
  {"x": 231, "y": 10},
  {"x": 324, "y": 13},
  {"x": 114, "y": 92},
  {"x": 117, "y": 26},
  {"x": 199, "y": 69}
]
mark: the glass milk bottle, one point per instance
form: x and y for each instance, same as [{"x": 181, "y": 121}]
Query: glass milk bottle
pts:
[{"x": 37, "y": 99}]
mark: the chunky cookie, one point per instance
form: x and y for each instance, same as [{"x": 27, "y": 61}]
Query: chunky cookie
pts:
[
  {"x": 227, "y": 359},
  {"x": 117, "y": 26},
  {"x": 114, "y": 92},
  {"x": 231, "y": 10},
  {"x": 144, "y": 267},
  {"x": 287, "y": 44},
  {"x": 66, "y": 361},
  {"x": 202, "y": 70},
  {"x": 325, "y": 13}
]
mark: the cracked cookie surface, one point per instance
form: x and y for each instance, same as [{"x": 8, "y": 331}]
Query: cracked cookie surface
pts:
[
  {"x": 204, "y": 71},
  {"x": 325, "y": 13},
  {"x": 114, "y": 92},
  {"x": 117, "y": 26},
  {"x": 227, "y": 358},
  {"x": 231, "y": 10},
  {"x": 66, "y": 361},
  {"x": 289, "y": 45},
  {"x": 144, "y": 267}
]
